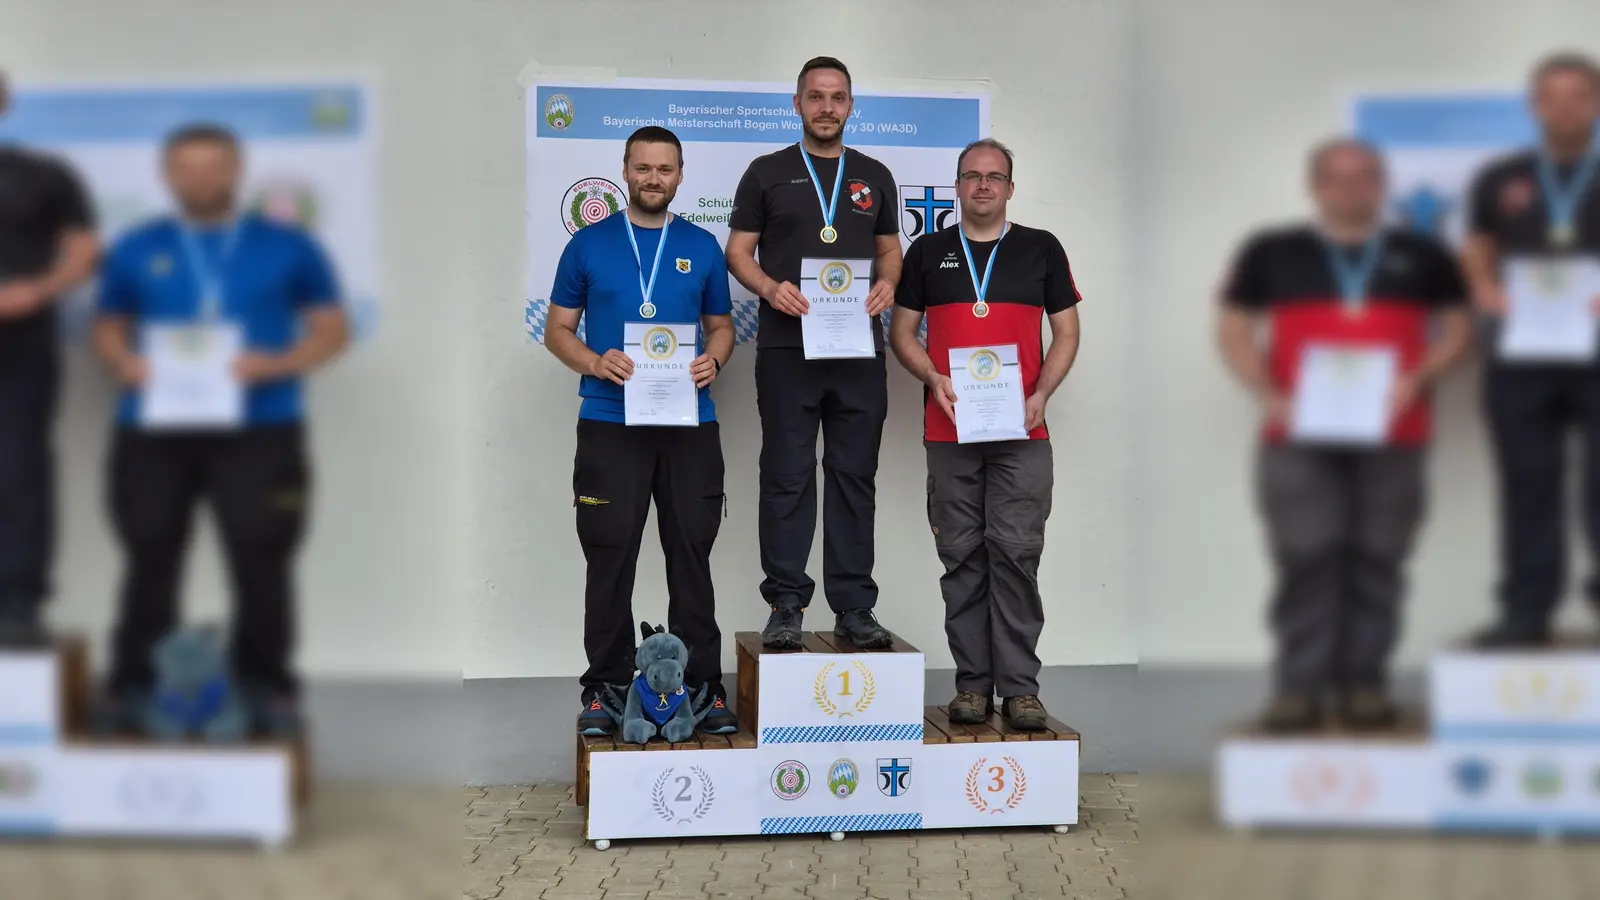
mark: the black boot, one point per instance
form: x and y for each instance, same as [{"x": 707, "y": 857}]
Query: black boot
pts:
[
  {"x": 20, "y": 627},
  {"x": 783, "y": 627},
  {"x": 860, "y": 627},
  {"x": 1507, "y": 635}
]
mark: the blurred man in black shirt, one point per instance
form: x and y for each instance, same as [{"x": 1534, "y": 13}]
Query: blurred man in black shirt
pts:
[{"x": 47, "y": 247}]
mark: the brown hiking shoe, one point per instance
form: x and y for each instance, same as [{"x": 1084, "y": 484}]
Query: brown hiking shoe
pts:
[
  {"x": 1368, "y": 710},
  {"x": 1292, "y": 713},
  {"x": 969, "y": 708},
  {"x": 1024, "y": 713}
]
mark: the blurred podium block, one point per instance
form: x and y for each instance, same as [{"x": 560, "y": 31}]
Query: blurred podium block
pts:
[
  {"x": 1525, "y": 695},
  {"x": 56, "y": 781}
]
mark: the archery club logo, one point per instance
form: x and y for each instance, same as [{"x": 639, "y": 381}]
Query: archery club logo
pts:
[
  {"x": 843, "y": 776},
  {"x": 836, "y": 278},
  {"x": 683, "y": 798},
  {"x": 18, "y": 781},
  {"x": 558, "y": 112},
  {"x": 894, "y": 776},
  {"x": 589, "y": 201},
  {"x": 861, "y": 195},
  {"x": 984, "y": 365},
  {"x": 1472, "y": 776},
  {"x": 790, "y": 780},
  {"x": 925, "y": 208},
  {"x": 660, "y": 343},
  {"x": 1541, "y": 780}
]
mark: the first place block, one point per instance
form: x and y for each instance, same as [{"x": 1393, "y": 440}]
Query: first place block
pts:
[{"x": 830, "y": 691}]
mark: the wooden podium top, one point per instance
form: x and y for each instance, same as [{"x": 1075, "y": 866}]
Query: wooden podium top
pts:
[
  {"x": 816, "y": 642},
  {"x": 1569, "y": 642},
  {"x": 1412, "y": 727}
]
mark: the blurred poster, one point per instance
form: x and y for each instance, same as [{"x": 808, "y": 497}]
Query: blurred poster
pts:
[
  {"x": 1435, "y": 143},
  {"x": 311, "y": 159},
  {"x": 576, "y": 134}
]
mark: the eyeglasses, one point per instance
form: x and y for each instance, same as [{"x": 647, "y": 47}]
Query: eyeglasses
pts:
[{"x": 994, "y": 178}]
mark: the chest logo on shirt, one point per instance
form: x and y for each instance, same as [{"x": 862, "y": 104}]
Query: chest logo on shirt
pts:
[
  {"x": 836, "y": 278},
  {"x": 861, "y": 194},
  {"x": 683, "y": 266},
  {"x": 984, "y": 365},
  {"x": 1516, "y": 196},
  {"x": 161, "y": 265},
  {"x": 950, "y": 262},
  {"x": 660, "y": 343}
]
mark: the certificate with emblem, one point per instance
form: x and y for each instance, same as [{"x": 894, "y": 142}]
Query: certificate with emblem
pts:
[
  {"x": 988, "y": 384},
  {"x": 191, "y": 382},
  {"x": 661, "y": 391},
  {"x": 1550, "y": 318},
  {"x": 1343, "y": 394},
  {"x": 837, "y": 327}
]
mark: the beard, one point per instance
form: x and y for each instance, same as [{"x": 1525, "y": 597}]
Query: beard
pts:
[
  {"x": 207, "y": 205},
  {"x": 636, "y": 200},
  {"x": 819, "y": 137}
]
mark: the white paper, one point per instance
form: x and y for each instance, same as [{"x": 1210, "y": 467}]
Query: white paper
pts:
[
  {"x": 1550, "y": 317},
  {"x": 191, "y": 382},
  {"x": 837, "y": 327},
  {"x": 988, "y": 384},
  {"x": 661, "y": 390},
  {"x": 1343, "y": 394}
]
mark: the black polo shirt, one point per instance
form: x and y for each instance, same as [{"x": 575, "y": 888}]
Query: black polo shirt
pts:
[
  {"x": 40, "y": 199},
  {"x": 1031, "y": 279},
  {"x": 1508, "y": 205},
  {"x": 776, "y": 199}
]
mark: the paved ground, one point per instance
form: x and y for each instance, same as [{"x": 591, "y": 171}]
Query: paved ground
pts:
[
  {"x": 526, "y": 843},
  {"x": 354, "y": 845}
]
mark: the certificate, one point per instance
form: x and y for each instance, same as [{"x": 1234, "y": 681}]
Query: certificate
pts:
[
  {"x": 191, "y": 382},
  {"x": 988, "y": 385},
  {"x": 837, "y": 327},
  {"x": 1550, "y": 317},
  {"x": 1343, "y": 394},
  {"x": 661, "y": 391}
]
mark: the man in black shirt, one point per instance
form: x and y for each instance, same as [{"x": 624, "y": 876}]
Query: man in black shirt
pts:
[
  {"x": 1534, "y": 207},
  {"x": 47, "y": 247},
  {"x": 817, "y": 200}
]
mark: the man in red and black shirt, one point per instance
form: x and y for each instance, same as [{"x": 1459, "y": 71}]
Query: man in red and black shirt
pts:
[
  {"x": 1532, "y": 208},
  {"x": 987, "y": 283},
  {"x": 1341, "y": 516}
]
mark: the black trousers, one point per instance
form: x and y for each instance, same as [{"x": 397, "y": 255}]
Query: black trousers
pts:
[
  {"x": 1341, "y": 524},
  {"x": 617, "y": 472},
  {"x": 849, "y": 398},
  {"x": 30, "y": 380},
  {"x": 1532, "y": 412},
  {"x": 258, "y": 483}
]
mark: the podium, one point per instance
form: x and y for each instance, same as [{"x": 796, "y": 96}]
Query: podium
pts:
[
  {"x": 1512, "y": 746},
  {"x": 56, "y": 781},
  {"x": 832, "y": 740}
]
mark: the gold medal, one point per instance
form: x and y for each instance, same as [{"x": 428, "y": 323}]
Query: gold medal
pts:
[
  {"x": 829, "y": 235},
  {"x": 980, "y": 309},
  {"x": 1563, "y": 236}
]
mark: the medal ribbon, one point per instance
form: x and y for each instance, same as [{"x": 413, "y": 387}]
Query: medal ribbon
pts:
[
  {"x": 1353, "y": 280},
  {"x": 1563, "y": 200},
  {"x": 982, "y": 288},
  {"x": 828, "y": 208},
  {"x": 208, "y": 281},
  {"x": 647, "y": 290}
]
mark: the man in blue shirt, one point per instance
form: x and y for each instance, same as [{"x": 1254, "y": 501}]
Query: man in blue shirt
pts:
[
  {"x": 211, "y": 270},
  {"x": 644, "y": 265}
]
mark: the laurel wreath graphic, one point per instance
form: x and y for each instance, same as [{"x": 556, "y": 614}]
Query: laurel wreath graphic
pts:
[
  {"x": 1019, "y": 787},
  {"x": 869, "y": 691},
  {"x": 708, "y": 796}
]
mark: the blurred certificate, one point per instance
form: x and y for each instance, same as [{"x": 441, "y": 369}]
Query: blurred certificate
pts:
[
  {"x": 837, "y": 326},
  {"x": 191, "y": 382},
  {"x": 1342, "y": 394},
  {"x": 661, "y": 390},
  {"x": 988, "y": 385},
  {"x": 1550, "y": 317}
]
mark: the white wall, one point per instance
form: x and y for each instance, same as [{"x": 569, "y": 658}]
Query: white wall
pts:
[
  {"x": 380, "y": 573},
  {"x": 1229, "y": 97},
  {"x": 1064, "y": 119}
]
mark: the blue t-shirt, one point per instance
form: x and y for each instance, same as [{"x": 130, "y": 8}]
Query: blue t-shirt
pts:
[
  {"x": 274, "y": 273},
  {"x": 599, "y": 275}
]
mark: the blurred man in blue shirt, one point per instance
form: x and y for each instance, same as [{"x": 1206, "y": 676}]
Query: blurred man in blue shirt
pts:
[
  {"x": 635, "y": 266},
  {"x": 263, "y": 299}
]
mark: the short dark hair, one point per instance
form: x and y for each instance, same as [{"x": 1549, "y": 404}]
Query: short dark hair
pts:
[
  {"x": 201, "y": 133},
  {"x": 822, "y": 62},
  {"x": 1567, "y": 61},
  {"x": 992, "y": 144},
  {"x": 1344, "y": 142},
  {"x": 652, "y": 134}
]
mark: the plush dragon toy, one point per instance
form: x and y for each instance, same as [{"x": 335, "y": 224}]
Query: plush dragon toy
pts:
[{"x": 658, "y": 702}]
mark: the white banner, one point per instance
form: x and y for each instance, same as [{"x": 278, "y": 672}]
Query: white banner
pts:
[
  {"x": 1520, "y": 696},
  {"x": 311, "y": 159},
  {"x": 576, "y": 132},
  {"x": 816, "y": 697},
  {"x": 822, "y": 788},
  {"x": 30, "y": 706}
]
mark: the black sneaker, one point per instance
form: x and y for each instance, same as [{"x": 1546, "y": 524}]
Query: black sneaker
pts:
[
  {"x": 1509, "y": 636},
  {"x": 280, "y": 718},
  {"x": 783, "y": 627},
  {"x": 719, "y": 719},
  {"x": 116, "y": 714},
  {"x": 860, "y": 627},
  {"x": 595, "y": 720}
]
